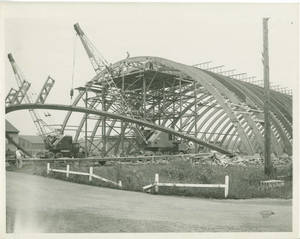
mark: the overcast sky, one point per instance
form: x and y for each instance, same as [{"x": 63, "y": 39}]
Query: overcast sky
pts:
[{"x": 42, "y": 41}]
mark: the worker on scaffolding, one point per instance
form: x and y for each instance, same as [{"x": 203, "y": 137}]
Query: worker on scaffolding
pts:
[
  {"x": 19, "y": 158},
  {"x": 149, "y": 64}
]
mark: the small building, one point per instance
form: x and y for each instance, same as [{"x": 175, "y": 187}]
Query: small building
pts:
[
  {"x": 32, "y": 143},
  {"x": 12, "y": 134}
]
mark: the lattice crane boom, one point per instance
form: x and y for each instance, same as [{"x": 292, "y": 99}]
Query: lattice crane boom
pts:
[
  {"x": 43, "y": 129},
  {"x": 98, "y": 62},
  {"x": 102, "y": 66}
]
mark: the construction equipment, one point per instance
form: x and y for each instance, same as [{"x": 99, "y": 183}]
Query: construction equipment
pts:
[
  {"x": 45, "y": 91},
  {"x": 39, "y": 123},
  {"x": 56, "y": 144},
  {"x": 102, "y": 67},
  {"x": 161, "y": 142},
  {"x": 61, "y": 147},
  {"x": 17, "y": 96}
]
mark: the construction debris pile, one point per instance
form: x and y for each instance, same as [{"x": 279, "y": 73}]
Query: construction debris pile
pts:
[{"x": 240, "y": 160}]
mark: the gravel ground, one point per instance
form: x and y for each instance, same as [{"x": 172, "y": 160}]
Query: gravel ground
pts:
[{"x": 39, "y": 204}]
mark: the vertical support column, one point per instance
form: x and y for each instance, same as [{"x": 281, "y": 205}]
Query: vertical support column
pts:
[
  {"x": 173, "y": 107},
  {"x": 122, "y": 122},
  {"x": 144, "y": 96},
  {"x": 153, "y": 108},
  {"x": 122, "y": 137},
  {"x": 267, "y": 126},
  {"x": 195, "y": 115},
  {"x": 164, "y": 96},
  {"x": 180, "y": 102},
  {"x": 86, "y": 119},
  {"x": 159, "y": 106},
  {"x": 226, "y": 189},
  {"x": 172, "y": 115},
  {"x": 48, "y": 168},
  {"x": 104, "y": 121},
  {"x": 156, "y": 181},
  {"x": 68, "y": 170},
  {"x": 91, "y": 174}
]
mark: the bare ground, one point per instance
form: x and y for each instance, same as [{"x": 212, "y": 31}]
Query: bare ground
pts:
[{"x": 39, "y": 204}]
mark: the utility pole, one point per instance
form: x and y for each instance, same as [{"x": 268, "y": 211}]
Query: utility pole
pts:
[
  {"x": 267, "y": 128},
  {"x": 86, "y": 119}
]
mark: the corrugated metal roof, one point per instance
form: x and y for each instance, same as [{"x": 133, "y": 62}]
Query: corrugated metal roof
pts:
[{"x": 9, "y": 128}]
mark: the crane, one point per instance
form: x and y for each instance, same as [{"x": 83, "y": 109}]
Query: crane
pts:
[
  {"x": 102, "y": 66},
  {"x": 48, "y": 134}
]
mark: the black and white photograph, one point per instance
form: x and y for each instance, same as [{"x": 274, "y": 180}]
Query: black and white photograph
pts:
[{"x": 149, "y": 119}]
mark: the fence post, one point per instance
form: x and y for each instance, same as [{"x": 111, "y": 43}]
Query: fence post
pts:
[
  {"x": 68, "y": 170},
  {"x": 48, "y": 168},
  {"x": 91, "y": 174},
  {"x": 226, "y": 185},
  {"x": 120, "y": 183},
  {"x": 156, "y": 181}
]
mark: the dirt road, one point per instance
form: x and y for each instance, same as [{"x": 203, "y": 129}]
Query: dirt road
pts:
[{"x": 39, "y": 204}]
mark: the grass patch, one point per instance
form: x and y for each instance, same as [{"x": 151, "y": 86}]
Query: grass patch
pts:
[{"x": 243, "y": 181}]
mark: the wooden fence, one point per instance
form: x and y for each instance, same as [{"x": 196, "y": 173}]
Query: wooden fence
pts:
[
  {"x": 156, "y": 185},
  {"x": 90, "y": 174},
  {"x": 271, "y": 184}
]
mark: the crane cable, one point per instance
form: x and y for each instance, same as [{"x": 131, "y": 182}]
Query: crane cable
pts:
[{"x": 73, "y": 68}]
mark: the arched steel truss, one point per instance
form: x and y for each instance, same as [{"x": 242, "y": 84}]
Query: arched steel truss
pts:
[
  {"x": 214, "y": 108},
  {"x": 217, "y": 110}
]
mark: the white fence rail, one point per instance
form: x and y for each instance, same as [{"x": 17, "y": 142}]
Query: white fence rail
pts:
[
  {"x": 271, "y": 184},
  {"x": 90, "y": 174},
  {"x": 156, "y": 185}
]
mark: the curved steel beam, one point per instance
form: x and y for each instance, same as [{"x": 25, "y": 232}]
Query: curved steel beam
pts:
[{"x": 114, "y": 116}]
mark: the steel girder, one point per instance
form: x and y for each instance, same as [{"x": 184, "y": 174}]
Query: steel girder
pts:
[{"x": 114, "y": 116}]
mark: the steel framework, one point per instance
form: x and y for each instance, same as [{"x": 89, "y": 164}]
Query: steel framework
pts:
[
  {"x": 114, "y": 112},
  {"x": 216, "y": 109}
]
